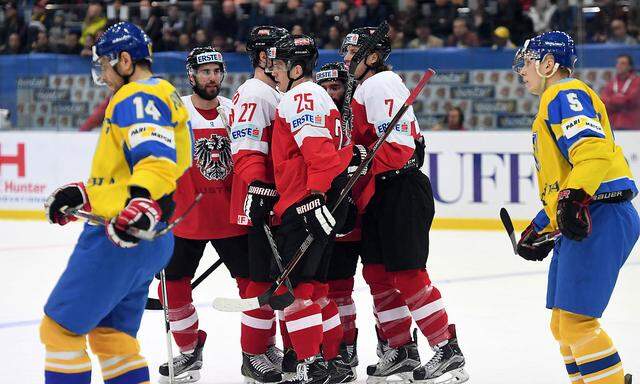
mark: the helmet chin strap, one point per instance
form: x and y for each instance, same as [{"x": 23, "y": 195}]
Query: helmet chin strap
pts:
[
  {"x": 543, "y": 84},
  {"x": 291, "y": 80}
]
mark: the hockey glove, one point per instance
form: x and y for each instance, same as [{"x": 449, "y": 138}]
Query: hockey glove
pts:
[
  {"x": 573, "y": 217},
  {"x": 261, "y": 197},
  {"x": 350, "y": 219},
  {"x": 359, "y": 154},
  {"x": 141, "y": 213},
  {"x": 528, "y": 250},
  {"x": 72, "y": 195},
  {"x": 318, "y": 221}
]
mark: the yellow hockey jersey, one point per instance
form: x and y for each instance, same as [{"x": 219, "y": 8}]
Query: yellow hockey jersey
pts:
[
  {"x": 574, "y": 147},
  {"x": 145, "y": 141}
]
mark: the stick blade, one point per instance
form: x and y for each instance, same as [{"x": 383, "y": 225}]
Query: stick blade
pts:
[
  {"x": 508, "y": 225},
  {"x": 280, "y": 302},
  {"x": 225, "y": 304}
]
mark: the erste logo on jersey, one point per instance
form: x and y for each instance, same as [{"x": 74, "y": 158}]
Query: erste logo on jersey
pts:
[
  {"x": 307, "y": 118},
  {"x": 246, "y": 130},
  {"x": 213, "y": 157},
  {"x": 402, "y": 127}
]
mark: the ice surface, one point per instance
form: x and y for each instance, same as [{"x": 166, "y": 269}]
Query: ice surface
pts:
[{"x": 495, "y": 298}]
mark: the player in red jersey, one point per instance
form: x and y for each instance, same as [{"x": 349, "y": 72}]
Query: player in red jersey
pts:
[
  {"x": 254, "y": 109},
  {"x": 398, "y": 210},
  {"x": 346, "y": 249},
  {"x": 212, "y": 175},
  {"x": 310, "y": 166}
]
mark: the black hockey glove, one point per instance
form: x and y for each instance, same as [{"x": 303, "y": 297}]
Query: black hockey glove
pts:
[
  {"x": 359, "y": 153},
  {"x": 350, "y": 220},
  {"x": 72, "y": 195},
  {"x": 527, "y": 247},
  {"x": 141, "y": 213},
  {"x": 573, "y": 217},
  {"x": 261, "y": 197},
  {"x": 318, "y": 221}
]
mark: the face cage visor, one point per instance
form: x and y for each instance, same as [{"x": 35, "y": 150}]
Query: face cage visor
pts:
[{"x": 96, "y": 68}]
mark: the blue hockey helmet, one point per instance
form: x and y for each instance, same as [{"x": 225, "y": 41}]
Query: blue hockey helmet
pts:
[
  {"x": 556, "y": 43},
  {"x": 120, "y": 37}
]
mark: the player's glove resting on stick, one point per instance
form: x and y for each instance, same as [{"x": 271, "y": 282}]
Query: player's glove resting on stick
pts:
[
  {"x": 261, "y": 197},
  {"x": 350, "y": 220},
  {"x": 528, "y": 250},
  {"x": 140, "y": 212},
  {"x": 72, "y": 195},
  {"x": 359, "y": 153},
  {"x": 574, "y": 219},
  {"x": 318, "y": 221}
]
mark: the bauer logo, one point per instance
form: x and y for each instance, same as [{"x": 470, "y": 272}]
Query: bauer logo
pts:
[
  {"x": 249, "y": 131},
  {"x": 307, "y": 119}
]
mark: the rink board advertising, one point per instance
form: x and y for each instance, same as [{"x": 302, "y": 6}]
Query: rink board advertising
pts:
[{"x": 473, "y": 174}]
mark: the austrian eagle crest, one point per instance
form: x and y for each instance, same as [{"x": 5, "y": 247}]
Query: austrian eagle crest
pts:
[{"x": 213, "y": 156}]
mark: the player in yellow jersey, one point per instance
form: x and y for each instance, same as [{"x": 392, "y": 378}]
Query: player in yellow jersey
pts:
[
  {"x": 144, "y": 146},
  {"x": 586, "y": 188}
]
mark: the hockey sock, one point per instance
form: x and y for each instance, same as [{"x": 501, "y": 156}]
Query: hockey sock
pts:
[
  {"x": 596, "y": 357},
  {"x": 258, "y": 325},
  {"x": 304, "y": 322},
  {"x": 424, "y": 302},
  {"x": 286, "y": 340},
  {"x": 340, "y": 292},
  {"x": 392, "y": 313},
  {"x": 331, "y": 328},
  {"x": 183, "y": 317},
  {"x": 243, "y": 284},
  {"x": 66, "y": 358},
  {"x": 119, "y": 356}
]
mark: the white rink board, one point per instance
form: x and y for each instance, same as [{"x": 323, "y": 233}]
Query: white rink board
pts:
[{"x": 473, "y": 174}]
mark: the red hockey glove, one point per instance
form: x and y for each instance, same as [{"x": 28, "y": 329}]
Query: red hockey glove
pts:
[
  {"x": 72, "y": 195},
  {"x": 141, "y": 213}
]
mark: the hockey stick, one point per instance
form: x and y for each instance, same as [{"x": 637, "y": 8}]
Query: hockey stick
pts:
[
  {"x": 508, "y": 226},
  {"x": 268, "y": 296},
  {"x": 136, "y": 232},
  {"x": 167, "y": 325},
  {"x": 155, "y": 304},
  {"x": 365, "y": 50}
]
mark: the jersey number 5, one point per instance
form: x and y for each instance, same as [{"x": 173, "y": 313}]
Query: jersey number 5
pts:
[
  {"x": 150, "y": 109},
  {"x": 304, "y": 98},
  {"x": 574, "y": 103}
]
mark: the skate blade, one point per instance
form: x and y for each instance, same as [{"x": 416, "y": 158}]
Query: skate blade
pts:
[
  {"x": 287, "y": 375},
  {"x": 456, "y": 376},
  {"x": 184, "y": 378},
  {"x": 249, "y": 380},
  {"x": 398, "y": 378}
]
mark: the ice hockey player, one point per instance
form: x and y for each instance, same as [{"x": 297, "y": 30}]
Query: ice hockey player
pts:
[
  {"x": 586, "y": 188},
  {"x": 253, "y": 113},
  {"x": 143, "y": 148},
  {"x": 395, "y": 245},
  {"x": 212, "y": 175},
  {"x": 310, "y": 171},
  {"x": 344, "y": 259}
]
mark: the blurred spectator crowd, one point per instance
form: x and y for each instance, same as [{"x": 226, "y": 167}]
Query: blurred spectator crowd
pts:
[{"x": 71, "y": 26}]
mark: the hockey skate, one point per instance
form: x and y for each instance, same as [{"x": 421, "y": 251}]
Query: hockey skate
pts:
[
  {"x": 275, "y": 356},
  {"x": 627, "y": 378},
  {"x": 186, "y": 367},
  {"x": 396, "y": 365},
  {"x": 340, "y": 371},
  {"x": 289, "y": 363},
  {"x": 313, "y": 370},
  {"x": 446, "y": 366},
  {"x": 259, "y": 369},
  {"x": 349, "y": 353}
]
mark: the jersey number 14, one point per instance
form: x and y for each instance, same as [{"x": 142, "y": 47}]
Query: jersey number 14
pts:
[{"x": 150, "y": 109}]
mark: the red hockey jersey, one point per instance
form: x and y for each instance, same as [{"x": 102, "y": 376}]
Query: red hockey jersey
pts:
[
  {"x": 254, "y": 109},
  {"x": 210, "y": 174},
  {"x": 374, "y": 104},
  {"x": 306, "y": 144}
]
